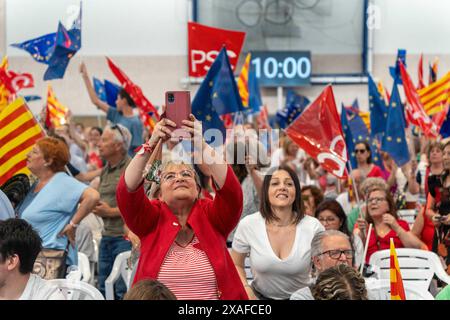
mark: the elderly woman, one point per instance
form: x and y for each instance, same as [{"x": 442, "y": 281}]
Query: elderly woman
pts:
[
  {"x": 278, "y": 239},
  {"x": 183, "y": 237},
  {"x": 56, "y": 203},
  {"x": 382, "y": 213}
]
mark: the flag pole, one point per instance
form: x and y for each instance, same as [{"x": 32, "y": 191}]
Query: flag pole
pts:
[
  {"x": 355, "y": 189},
  {"x": 361, "y": 268}
]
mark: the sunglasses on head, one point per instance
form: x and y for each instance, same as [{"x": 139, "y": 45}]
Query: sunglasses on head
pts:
[{"x": 120, "y": 131}]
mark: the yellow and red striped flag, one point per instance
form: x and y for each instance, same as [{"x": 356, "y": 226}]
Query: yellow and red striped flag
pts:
[
  {"x": 56, "y": 112},
  {"x": 435, "y": 97},
  {"x": 242, "y": 82},
  {"x": 19, "y": 131},
  {"x": 397, "y": 289}
]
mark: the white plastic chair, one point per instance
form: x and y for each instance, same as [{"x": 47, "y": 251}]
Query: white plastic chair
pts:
[
  {"x": 417, "y": 266},
  {"x": 77, "y": 290},
  {"x": 120, "y": 269},
  {"x": 84, "y": 266},
  {"x": 381, "y": 290}
]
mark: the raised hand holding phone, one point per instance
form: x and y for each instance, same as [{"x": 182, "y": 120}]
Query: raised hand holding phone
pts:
[{"x": 178, "y": 108}]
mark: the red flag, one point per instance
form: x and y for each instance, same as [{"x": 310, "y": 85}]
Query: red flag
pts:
[
  {"x": 414, "y": 109},
  {"x": 135, "y": 92},
  {"x": 13, "y": 81},
  {"x": 205, "y": 43},
  {"x": 318, "y": 131},
  {"x": 263, "y": 118},
  {"x": 421, "y": 84}
]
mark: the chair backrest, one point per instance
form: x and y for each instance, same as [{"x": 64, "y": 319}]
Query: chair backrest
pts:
[
  {"x": 84, "y": 266},
  {"x": 77, "y": 290},
  {"x": 416, "y": 266},
  {"x": 120, "y": 269},
  {"x": 381, "y": 290}
]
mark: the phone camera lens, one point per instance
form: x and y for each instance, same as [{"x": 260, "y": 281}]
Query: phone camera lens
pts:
[{"x": 170, "y": 98}]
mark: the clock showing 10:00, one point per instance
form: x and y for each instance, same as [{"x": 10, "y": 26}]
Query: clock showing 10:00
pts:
[{"x": 282, "y": 68}]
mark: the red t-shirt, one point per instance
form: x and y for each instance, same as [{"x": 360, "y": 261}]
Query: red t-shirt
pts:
[
  {"x": 377, "y": 243},
  {"x": 376, "y": 172}
]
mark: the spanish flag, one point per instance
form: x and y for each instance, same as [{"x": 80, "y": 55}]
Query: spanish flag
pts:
[
  {"x": 397, "y": 290},
  {"x": 242, "y": 83},
  {"x": 19, "y": 131},
  {"x": 56, "y": 112},
  {"x": 435, "y": 97}
]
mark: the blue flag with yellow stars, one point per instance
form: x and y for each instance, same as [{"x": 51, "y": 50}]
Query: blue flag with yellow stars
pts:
[
  {"x": 107, "y": 91},
  {"x": 217, "y": 95},
  {"x": 348, "y": 136},
  {"x": 99, "y": 88},
  {"x": 378, "y": 110},
  {"x": 55, "y": 49},
  {"x": 221, "y": 87},
  {"x": 445, "y": 128},
  {"x": 357, "y": 125},
  {"x": 254, "y": 94},
  {"x": 395, "y": 70},
  {"x": 394, "y": 140},
  {"x": 295, "y": 104}
]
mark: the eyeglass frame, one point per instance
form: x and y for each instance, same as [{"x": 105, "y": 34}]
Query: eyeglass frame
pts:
[
  {"x": 360, "y": 151},
  {"x": 163, "y": 175},
  {"x": 340, "y": 253},
  {"x": 378, "y": 200}
]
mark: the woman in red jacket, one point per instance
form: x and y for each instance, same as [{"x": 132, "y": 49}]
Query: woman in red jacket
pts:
[{"x": 183, "y": 237}]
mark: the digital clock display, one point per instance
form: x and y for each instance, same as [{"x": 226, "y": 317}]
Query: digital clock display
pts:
[{"x": 282, "y": 68}]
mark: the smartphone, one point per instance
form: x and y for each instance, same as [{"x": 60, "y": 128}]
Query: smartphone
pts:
[{"x": 178, "y": 108}]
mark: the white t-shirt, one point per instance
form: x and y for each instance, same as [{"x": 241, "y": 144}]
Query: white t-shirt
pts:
[
  {"x": 40, "y": 289},
  {"x": 302, "y": 294},
  {"x": 275, "y": 278}
]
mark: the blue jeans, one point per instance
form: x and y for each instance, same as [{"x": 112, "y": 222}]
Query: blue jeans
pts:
[{"x": 110, "y": 248}]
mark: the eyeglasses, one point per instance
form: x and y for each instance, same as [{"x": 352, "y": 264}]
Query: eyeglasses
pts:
[
  {"x": 360, "y": 150},
  {"x": 170, "y": 176},
  {"x": 336, "y": 254},
  {"x": 120, "y": 131},
  {"x": 328, "y": 220},
  {"x": 376, "y": 200}
]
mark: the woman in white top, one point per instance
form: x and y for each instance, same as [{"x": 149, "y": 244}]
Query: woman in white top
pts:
[{"x": 277, "y": 239}]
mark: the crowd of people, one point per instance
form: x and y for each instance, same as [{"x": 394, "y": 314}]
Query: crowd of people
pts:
[{"x": 192, "y": 227}]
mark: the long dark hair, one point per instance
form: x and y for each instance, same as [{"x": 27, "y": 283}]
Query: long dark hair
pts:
[
  {"x": 266, "y": 208},
  {"x": 367, "y": 146},
  {"x": 336, "y": 208}
]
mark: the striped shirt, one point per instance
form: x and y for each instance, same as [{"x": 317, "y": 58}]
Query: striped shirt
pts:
[{"x": 187, "y": 272}]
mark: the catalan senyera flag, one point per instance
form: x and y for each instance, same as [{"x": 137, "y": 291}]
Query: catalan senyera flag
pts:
[
  {"x": 19, "y": 131},
  {"x": 56, "y": 112},
  {"x": 436, "y": 96},
  {"x": 242, "y": 82},
  {"x": 397, "y": 289}
]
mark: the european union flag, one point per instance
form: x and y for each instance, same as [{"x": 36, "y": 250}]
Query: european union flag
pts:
[
  {"x": 357, "y": 126},
  {"x": 55, "y": 49},
  {"x": 348, "y": 138},
  {"x": 218, "y": 94},
  {"x": 99, "y": 88},
  {"x": 222, "y": 86},
  {"x": 112, "y": 91},
  {"x": 395, "y": 70},
  {"x": 107, "y": 91},
  {"x": 394, "y": 140},
  {"x": 295, "y": 104},
  {"x": 445, "y": 128},
  {"x": 377, "y": 108},
  {"x": 32, "y": 98},
  {"x": 254, "y": 95}
]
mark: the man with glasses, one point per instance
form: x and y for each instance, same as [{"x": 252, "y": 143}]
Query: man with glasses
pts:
[
  {"x": 113, "y": 146},
  {"x": 328, "y": 249}
]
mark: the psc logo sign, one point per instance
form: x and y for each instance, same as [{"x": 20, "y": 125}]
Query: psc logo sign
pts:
[{"x": 204, "y": 44}]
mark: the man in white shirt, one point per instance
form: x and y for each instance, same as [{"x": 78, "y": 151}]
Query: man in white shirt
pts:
[
  {"x": 328, "y": 249},
  {"x": 19, "y": 247}
]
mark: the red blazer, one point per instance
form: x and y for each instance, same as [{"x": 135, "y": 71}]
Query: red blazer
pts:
[{"x": 211, "y": 220}]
